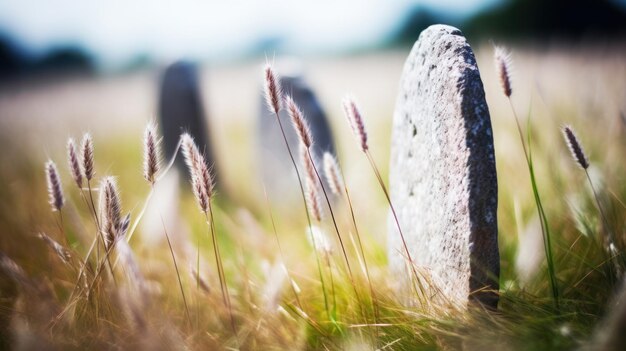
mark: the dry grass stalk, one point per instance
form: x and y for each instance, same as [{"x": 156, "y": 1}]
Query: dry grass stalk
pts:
[
  {"x": 87, "y": 148},
  {"x": 55, "y": 191},
  {"x": 201, "y": 180},
  {"x": 151, "y": 152},
  {"x": 312, "y": 186},
  {"x": 110, "y": 211},
  {"x": 299, "y": 123},
  {"x": 204, "y": 286},
  {"x": 63, "y": 253},
  {"x": 578, "y": 153},
  {"x": 273, "y": 91},
  {"x": 74, "y": 163},
  {"x": 503, "y": 68},
  {"x": 356, "y": 121},
  {"x": 332, "y": 173}
]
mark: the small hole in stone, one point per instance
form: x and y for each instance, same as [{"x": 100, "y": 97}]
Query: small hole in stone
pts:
[{"x": 414, "y": 131}]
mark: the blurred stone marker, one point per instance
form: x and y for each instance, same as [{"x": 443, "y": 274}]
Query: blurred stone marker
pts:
[
  {"x": 277, "y": 170},
  {"x": 443, "y": 172},
  {"x": 181, "y": 110}
]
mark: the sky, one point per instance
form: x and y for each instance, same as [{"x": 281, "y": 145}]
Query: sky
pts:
[{"x": 117, "y": 30}]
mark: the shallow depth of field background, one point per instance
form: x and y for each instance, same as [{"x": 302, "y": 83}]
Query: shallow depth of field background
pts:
[{"x": 569, "y": 68}]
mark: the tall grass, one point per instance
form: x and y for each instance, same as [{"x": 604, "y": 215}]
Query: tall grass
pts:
[{"x": 59, "y": 289}]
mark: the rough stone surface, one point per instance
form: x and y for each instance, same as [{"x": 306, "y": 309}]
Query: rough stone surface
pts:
[
  {"x": 443, "y": 172},
  {"x": 276, "y": 167},
  {"x": 181, "y": 110}
]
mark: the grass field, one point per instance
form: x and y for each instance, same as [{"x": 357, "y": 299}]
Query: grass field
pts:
[{"x": 43, "y": 307}]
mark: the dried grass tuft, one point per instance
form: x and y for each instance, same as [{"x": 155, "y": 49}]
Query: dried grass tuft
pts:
[
  {"x": 201, "y": 179},
  {"x": 312, "y": 193},
  {"x": 503, "y": 68},
  {"x": 575, "y": 148},
  {"x": 74, "y": 163},
  {"x": 63, "y": 253},
  {"x": 151, "y": 152},
  {"x": 273, "y": 91},
  {"x": 332, "y": 174},
  {"x": 87, "y": 148},
  {"x": 110, "y": 211},
  {"x": 353, "y": 115},
  {"x": 299, "y": 123},
  {"x": 55, "y": 191}
]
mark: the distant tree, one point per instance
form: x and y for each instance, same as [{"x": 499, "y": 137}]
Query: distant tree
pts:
[
  {"x": 415, "y": 21},
  {"x": 12, "y": 59},
  {"x": 65, "y": 58},
  {"x": 539, "y": 19}
]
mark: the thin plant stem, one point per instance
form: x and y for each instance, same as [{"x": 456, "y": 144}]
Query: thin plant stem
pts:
[
  {"x": 611, "y": 239},
  {"x": 220, "y": 268},
  {"x": 280, "y": 250},
  {"x": 395, "y": 217},
  {"x": 306, "y": 209},
  {"x": 358, "y": 235},
  {"x": 332, "y": 285},
  {"x": 543, "y": 220},
  {"x": 343, "y": 248},
  {"x": 180, "y": 283},
  {"x": 100, "y": 235}
]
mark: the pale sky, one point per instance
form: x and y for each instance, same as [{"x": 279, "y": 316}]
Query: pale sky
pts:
[{"x": 115, "y": 30}]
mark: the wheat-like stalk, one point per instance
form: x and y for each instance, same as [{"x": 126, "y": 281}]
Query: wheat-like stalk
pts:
[
  {"x": 110, "y": 211},
  {"x": 312, "y": 187},
  {"x": 353, "y": 114},
  {"x": 63, "y": 253},
  {"x": 74, "y": 163},
  {"x": 299, "y": 123},
  {"x": 578, "y": 153},
  {"x": 201, "y": 180},
  {"x": 273, "y": 91},
  {"x": 55, "y": 191},
  {"x": 332, "y": 174},
  {"x": 151, "y": 152},
  {"x": 87, "y": 148},
  {"x": 503, "y": 68}
]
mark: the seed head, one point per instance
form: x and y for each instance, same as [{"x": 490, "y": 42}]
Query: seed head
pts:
[
  {"x": 332, "y": 173},
  {"x": 72, "y": 159},
  {"x": 353, "y": 115},
  {"x": 299, "y": 123},
  {"x": 575, "y": 148},
  {"x": 151, "y": 153},
  {"x": 503, "y": 67},
  {"x": 201, "y": 179},
  {"x": 312, "y": 194},
  {"x": 88, "y": 156},
  {"x": 55, "y": 191},
  {"x": 110, "y": 211},
  {"x": 273, "y": 91},
  {"x": 63, "y": 253}
]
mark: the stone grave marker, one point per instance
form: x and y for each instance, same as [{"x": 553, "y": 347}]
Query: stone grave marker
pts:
[
  {"x": 443, "y": 174},
  {"x": 181, "y": 110},
  {"x": 276, "y": 168}
]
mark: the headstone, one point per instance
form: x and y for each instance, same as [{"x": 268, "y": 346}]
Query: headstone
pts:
[
  {"x": 276, "y": 167},
  {"x": 181, "y": 110},
  {"x": 443, "y": 172}
]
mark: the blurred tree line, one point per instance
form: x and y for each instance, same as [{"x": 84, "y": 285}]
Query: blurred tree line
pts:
[{"x": 536, "y": 20}]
